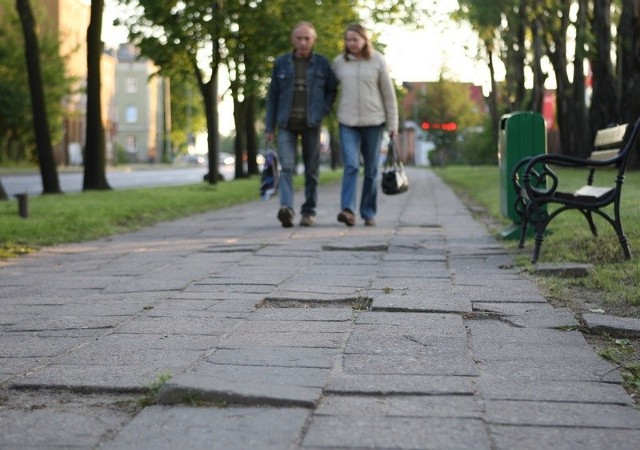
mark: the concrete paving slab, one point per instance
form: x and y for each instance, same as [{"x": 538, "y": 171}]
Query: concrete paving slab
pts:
[
  {"x": 536, "y": 315},
  {"x": 506, "y": 351},
  {"x": 64, "y": 323},
  {"x": 400, "y": 406},
  {"x": 291, "y": 326},
  {"x": 552, "y": 391},
  {"x": 416, "y": 364},
  {"x": 436, "y": 324},
  {"x": 395, "y": 432},
  {"x": 296, "y": 314},
  {"x": 388, "y": 340},
  {"x": 190, "y": 389},
  {"x": 47, "y": 428},
  {"x": 283, "y": 376},
  {"x": 420, "y": 302},
  {"x": 399, "y": 384},
  {"x": 26, "y": 345},
  {"x": 276, "y": 356},
  {"x": 563, "y": 438},
  {"x": 93, "y": 378},
  {"x": 620, "y": 327},
  {"x": 504, "y": 412},
  {"x": 284, "y": 339},
  {"x": 168, "y": 428},
  {"x": 497, "y": 331},
  {"x": 491, "y": 293},
  {"x": 549, "y": 370},
  {"x": 214, "y": 324}
]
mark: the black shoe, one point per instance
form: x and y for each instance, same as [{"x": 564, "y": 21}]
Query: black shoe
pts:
[
  {"x": 285, "y": 215},
  {"x": 345, "y": 216}
]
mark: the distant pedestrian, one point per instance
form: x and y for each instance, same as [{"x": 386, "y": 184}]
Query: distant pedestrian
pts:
[
  {"x": 366, "y": 107},
  {"x": 302, "y": 90}
]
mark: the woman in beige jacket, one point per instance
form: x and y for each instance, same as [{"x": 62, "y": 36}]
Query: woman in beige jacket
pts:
[{"x": 366, "y": 107}]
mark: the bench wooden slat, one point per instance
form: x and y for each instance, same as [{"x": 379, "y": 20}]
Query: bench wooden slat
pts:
[
  {"x": 603, "y": 155},
  {"x": 592, "y": 191},
  {"x": 607, "y": 137}
]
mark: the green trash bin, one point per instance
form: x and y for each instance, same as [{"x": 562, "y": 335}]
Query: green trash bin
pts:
[{"x": 521, "y": 134}]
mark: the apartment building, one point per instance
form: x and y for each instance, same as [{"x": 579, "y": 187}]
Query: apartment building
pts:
[
  {"x": 133, "y": 111},
  {"x": 70, "y": 18},
  {"x": 140, "y": 106}
]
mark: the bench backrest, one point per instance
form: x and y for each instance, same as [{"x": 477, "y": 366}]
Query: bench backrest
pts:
[{"x": 608, "y": 143}]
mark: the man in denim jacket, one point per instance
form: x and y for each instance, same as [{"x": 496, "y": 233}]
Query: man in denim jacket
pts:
[{"x": 302, "y": 90}]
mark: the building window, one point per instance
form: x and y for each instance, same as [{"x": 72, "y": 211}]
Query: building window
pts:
[
  {"x": 132, "y": 85},
  {"x": 132, "y": 114}
]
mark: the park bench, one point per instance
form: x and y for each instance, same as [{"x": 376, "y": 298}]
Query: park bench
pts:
[{"x": 538, "y": 186}]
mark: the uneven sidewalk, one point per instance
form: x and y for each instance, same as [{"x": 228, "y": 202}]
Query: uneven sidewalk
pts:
[{"x": 416, "y": 333}]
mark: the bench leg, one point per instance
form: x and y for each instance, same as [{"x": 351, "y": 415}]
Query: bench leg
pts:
[
  {"x": 592, "y": 226},
  {"x": 536, "y": 249},
  {"x": 624, "y": 242},
  {"x": 625, "y": 247},
  {"x": 617, "y": 225},
  {"x": 523, "y": 234}
]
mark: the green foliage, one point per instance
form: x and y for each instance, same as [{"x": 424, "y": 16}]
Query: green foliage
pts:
[
  {"x": 620, "y": 352},
  {"x": 477, "y": 145},
  {"x": 155, "y": 387},
  {"x": 17, "y": 140},
  {"x": 187, "y": 113},
  {"x": 473, "y": 146},
  {"x": 631, "y": 377},
  {"x": 447, "y": 102}
]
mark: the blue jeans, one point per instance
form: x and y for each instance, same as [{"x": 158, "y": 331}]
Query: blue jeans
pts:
[
  {"x": 355, "y": 141},
  {"x": 287, "y": 150}
]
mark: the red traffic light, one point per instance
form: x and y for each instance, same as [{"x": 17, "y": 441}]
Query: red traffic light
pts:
[{"x": 446, "y": 126}]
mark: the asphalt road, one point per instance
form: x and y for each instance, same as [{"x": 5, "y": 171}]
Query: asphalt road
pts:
[{"x": 118, "y": 178}]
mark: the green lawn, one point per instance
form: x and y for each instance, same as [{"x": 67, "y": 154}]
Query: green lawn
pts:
[
  {"x": 56, "y": 219},
  {"x": 569, "y": 238}
]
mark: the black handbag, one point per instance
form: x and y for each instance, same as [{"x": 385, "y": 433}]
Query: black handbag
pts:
[{"x": 394, "y": 175}]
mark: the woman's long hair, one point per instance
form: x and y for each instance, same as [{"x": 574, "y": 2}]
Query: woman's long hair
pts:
[{"x": 367, "y": 50}]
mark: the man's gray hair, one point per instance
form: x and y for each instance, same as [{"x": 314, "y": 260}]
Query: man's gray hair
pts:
[{"x": 306, "y": 24}]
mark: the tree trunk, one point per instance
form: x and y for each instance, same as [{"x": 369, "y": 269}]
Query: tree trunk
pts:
[
  {"x": 580, "y": 127},
  {"x": 94, "y": 153},
  {"x": 251, "y": 135},
  {"x": 3, "y": 193},
  {"x": 209, "y": 92},
  {"x": 515, "y": 58},
  {"x": 520, "y": 55},
  {"x": 568, "y": 122},
  {"x": 239, "y": 115},
  {"x": 539, "y": 77},
  {"x": 629, "y": 35},
  {"x": 604, "y": 96},
  {"x": 48, "y": 171},
  {"x": 210, "y": 96},
  {"x": 493, "y": 100}
]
